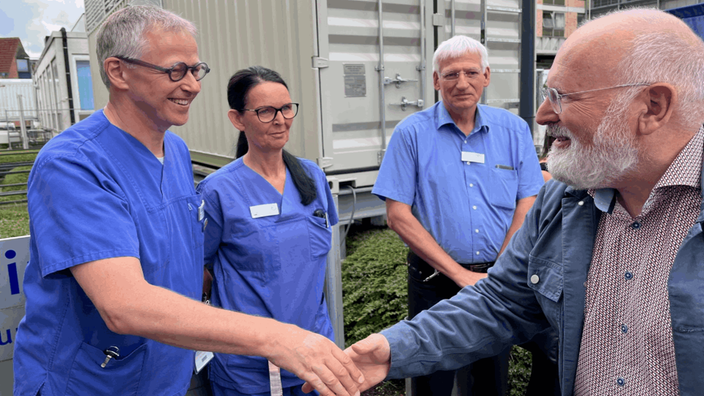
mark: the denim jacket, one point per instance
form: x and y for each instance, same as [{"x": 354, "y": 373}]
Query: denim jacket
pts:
[{"x": 539, "y": 281}]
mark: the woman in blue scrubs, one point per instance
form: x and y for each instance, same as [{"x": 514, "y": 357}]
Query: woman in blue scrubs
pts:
[{"x": 269, "y": 229}]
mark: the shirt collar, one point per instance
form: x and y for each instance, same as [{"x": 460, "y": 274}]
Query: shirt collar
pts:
[
  {"x": 443, "y": 118},
  {"x": 685, "y": 170}
]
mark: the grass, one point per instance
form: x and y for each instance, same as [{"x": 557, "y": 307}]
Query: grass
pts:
[{"x": 14, "y": 221}]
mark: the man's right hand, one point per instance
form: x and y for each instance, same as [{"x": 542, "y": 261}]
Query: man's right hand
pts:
[
  {"x": 465, "y": 277},
  {"x": 316, "y": 360},
  {"x": 372, "y": 356}
]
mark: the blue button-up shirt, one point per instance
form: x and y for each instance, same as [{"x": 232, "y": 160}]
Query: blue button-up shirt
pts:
[
  {"x": 539, "y": 281},
  {"x": 466, "y": 206}
]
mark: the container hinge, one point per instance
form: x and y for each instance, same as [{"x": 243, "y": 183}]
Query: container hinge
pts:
[
  {"x": 325, "y": 162},
  {"x": 438, "y": 20},
  {"x": 380, "y": 156},
  {"x": 320, "y": 63}
]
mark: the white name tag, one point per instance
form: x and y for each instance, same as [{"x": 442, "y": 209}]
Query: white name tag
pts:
[
  {"x": 202, "y": 359},
  {"x": 258, "y": 211},
  {"x": 472, "y": 157}
]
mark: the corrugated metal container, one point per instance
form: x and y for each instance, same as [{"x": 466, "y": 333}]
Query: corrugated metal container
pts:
[
  {"x": 329, "y": 53},
  {"x": 693, "y": 16},
  {"x": 9, "y": 106}
]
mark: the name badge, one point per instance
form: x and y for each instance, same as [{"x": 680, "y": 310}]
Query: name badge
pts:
[
  {"x": 202, "y": 359},
  {"x": 472, "y": 157},
  {"x": 265, "y": 210}
]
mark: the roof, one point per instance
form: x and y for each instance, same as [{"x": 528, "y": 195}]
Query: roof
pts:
[{"x": 10, "y": 48}]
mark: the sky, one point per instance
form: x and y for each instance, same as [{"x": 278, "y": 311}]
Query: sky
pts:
[{"x": 32, "y": 20}]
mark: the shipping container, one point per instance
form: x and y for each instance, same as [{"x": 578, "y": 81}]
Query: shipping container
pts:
[{"x": 9, "y": 102}]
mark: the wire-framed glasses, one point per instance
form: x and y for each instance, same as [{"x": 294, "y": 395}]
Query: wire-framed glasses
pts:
[
  {"x": 268, "y": 113},
  {"x": 455, "y": 75},
  {"x": 176, "y": 72},
  {"x": 555, "y": 97}
]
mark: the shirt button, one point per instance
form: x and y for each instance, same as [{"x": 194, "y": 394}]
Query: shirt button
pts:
[
  {"x": 474, "y": 207},
  {"x": 477, "y": 230},
  {"x": 580, "y": 203},
  {"x": 628, "y": 275},
  {"x": 477, "y": 253},
  {"x": 471, "y": 184},
  {"x": 468, "y": 162},
  {"x": 534, "y": 279},
  {"x": 635, "y": 225},
  {"x": 620, "y": 381},
  {"x": 624, "y": 328}
]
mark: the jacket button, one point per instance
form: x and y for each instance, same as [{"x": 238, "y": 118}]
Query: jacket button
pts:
[{"x": 534, "y": 279}]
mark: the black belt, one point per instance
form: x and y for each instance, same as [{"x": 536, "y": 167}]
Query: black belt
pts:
[{"x": 426, "y": 269}]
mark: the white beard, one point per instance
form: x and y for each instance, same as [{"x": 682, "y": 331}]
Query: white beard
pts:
[{"x": 612, "y": 155}]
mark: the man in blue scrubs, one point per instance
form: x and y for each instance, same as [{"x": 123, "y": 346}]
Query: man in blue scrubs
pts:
[
  {"x": 458, "y": 179},
  {"x": 611, "y": 255},
  {"x": 114, "y": 282}
]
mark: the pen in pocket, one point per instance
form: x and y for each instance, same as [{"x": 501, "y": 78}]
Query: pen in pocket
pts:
[{"x": 506, "y": 167}]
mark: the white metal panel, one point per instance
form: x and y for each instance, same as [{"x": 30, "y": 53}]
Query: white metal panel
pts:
[
  {"x": 351, "y": 108},
  {"x": 277, "y": 34},
  {"x": 9, "y": 89},
  {"x": 502, "y": 39}
]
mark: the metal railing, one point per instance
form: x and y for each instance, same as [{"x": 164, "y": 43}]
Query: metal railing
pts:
[{"x": 7, "y": 168}]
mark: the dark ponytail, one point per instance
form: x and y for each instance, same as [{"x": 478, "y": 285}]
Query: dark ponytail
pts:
[{"x": 237, "y": 90}]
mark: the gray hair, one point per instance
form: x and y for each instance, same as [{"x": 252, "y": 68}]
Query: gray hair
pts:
[
  {"x": 671, "y": 57},
  {"x": 123, "y": 32},
  {"x": 458, "y": 46}
]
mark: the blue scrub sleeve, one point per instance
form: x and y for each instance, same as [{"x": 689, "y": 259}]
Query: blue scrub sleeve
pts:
[
  {"x": 331, "y": 209},
  {"x": 213, "y": 231},
  {"x": 530, "y": 178},
  {"x": 78, "y": 213},
  {"x": 397, "y": 175}
]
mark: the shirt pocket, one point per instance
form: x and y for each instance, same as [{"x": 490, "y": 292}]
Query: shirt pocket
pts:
[
  {"x": 504, "y": 186},
  {"x": 256, "y": 249},
  {"x": 120, "y": 376},
  {"x": 546, "y": 280},
  {"x": 320, "y": 236}
]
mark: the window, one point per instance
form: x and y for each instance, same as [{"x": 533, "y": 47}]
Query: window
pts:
[
  {"x": 22, "y": 65},
  {"x": 85, "y": 84},
  {"x": 553, "y": 24}
]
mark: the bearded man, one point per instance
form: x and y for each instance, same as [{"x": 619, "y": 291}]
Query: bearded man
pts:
[{"x": 611, "y": 255}]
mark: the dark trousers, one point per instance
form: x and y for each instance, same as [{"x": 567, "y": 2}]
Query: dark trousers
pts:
[{"x": 485, "y": 377}]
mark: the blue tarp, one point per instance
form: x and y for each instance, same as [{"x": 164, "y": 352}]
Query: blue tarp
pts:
[{"x": 692, "y": 15}]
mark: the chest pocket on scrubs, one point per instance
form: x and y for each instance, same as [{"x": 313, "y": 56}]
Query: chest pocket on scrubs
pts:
[
  {"x": 320, "y": 236},
  {"x": 505, "y": 184},
  {"x": 197, "y": 219},
  {"x": 120, "y": 376},
  {"x": 546, "y": 280},
  {"x": 257, "y": 248}
]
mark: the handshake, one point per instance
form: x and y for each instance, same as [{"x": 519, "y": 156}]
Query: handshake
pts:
[{"x": 329, "y": 370}]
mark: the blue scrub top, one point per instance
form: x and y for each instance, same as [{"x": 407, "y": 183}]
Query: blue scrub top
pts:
[
  {"x": 272, "y": 266},
  {"x": 95, "y": 192},
  {"x": 467, "y": 208}
]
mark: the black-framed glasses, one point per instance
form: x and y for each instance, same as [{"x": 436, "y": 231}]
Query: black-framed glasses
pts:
[
  {"x": 176, "y": 72},
  {"x": 555, "y": 97},
  {"x": 268, "y": 113}
]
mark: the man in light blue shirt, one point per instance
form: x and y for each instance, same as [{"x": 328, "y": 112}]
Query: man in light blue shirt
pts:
[{"x": 458, "y": 179}]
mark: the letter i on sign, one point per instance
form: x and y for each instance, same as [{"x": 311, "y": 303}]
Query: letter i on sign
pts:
[{"x": 12, "y": 273}]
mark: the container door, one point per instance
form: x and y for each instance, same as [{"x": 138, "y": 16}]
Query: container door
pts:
[
  {"x": 375, "y": 76},
  {"x": 497, "y": 25}
]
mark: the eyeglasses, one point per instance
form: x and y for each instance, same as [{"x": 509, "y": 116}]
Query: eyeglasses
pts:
[
  {"x": 176, "y": 72},
  {"x": 455, "y": 75},
  {"x": 268, "y": 113},
  {"x": 556, "y": 97}
]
